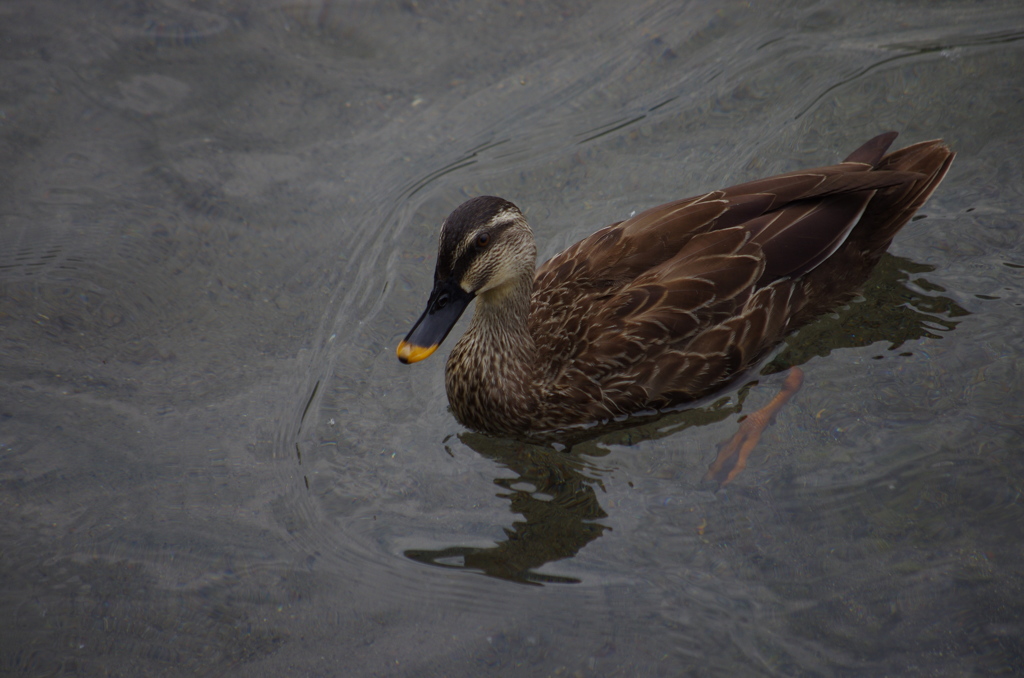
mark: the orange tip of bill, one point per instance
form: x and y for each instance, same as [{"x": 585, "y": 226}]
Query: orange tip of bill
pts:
[{"x": 410, "y": 353}]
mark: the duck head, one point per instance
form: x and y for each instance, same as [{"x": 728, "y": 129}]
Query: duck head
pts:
[{"x": 486, "y": 249}]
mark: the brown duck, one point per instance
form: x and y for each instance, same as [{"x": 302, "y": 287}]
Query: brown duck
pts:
[{"x": 666, "y": 307}]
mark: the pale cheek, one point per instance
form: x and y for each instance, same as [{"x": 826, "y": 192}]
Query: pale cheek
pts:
[
  {"x": 495, "y": 277},
  {"x": 475, "y": 281}
]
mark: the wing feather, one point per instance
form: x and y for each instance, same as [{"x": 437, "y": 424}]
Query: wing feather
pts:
[{"x": 681, "y": 298}]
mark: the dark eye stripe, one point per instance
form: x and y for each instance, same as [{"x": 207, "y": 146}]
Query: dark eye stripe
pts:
[{"x": 467, "y": 252}]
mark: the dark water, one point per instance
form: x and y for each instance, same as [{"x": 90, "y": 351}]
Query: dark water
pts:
[{"x": 218, "y": 218}]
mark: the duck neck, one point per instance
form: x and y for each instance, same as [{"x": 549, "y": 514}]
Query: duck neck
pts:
[
  {"x": 501, "y": 322},
  {"x": 491, "y": 367}
]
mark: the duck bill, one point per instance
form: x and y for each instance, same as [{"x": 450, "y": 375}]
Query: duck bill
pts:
[{"x": 444, "y": 308}]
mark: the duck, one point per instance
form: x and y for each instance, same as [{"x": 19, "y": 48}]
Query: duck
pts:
[{"x": 665, "y": 308}]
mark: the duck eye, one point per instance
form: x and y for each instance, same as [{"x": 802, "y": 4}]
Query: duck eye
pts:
[{"x": 483, "y": 240}]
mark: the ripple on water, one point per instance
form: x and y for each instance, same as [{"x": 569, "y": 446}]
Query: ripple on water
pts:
[{"x": 174, "y": 23}]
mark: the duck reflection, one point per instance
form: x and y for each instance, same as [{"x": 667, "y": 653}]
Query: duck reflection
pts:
[
  {"x": 555, "y": 489},
  {"x": 560, "y": 511}
]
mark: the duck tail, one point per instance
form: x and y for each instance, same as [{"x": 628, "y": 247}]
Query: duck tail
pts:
[
  {"x": 871, "y": 152},
  {"x": 892, "y": 207}
]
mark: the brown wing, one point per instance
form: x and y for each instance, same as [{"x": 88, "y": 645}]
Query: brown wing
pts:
[{"x": 671, "y": 304}]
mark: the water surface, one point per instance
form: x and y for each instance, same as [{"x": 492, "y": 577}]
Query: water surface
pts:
[{"x": 217, "y": 219}]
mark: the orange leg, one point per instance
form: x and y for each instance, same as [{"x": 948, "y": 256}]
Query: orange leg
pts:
[{"x": 733, "y": 453}]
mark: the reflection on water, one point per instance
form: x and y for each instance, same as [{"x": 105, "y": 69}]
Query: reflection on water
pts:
[
  {"x": 554, "y": 488},
  {"x": 557, "y": 500},
  {"x": 894, "y": 309}
]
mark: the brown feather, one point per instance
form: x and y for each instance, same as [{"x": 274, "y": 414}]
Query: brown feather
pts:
[{"x": 674, "y": 303}]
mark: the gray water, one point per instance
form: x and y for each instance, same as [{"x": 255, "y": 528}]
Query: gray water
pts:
[{"x": 218, "y": 218}]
